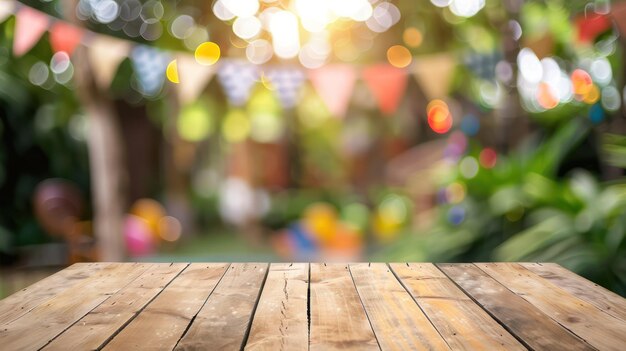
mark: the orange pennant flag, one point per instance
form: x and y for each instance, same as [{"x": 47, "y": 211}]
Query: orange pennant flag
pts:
[
  {"x": 65, "y": 37},
  {"x": 387, "y": 83},
  {"x": 30, "y": 24},
  {"x": 334, "y": 84}
]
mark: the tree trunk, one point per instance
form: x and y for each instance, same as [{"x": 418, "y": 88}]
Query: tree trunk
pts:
[
  {"x": 105, "y": 162},
  {"x": 105, "y": 154}
]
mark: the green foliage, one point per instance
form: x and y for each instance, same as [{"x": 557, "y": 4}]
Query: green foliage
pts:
[{"x": 522, "y": 210}]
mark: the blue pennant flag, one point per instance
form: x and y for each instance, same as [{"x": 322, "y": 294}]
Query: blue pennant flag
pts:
[{"x": 149, "y": 64}]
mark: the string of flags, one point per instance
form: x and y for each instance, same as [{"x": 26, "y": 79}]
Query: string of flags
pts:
[{"x": 334, "y": 83}]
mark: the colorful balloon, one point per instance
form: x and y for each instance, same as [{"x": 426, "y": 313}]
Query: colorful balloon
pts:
[{"x": 138, "y": 236}]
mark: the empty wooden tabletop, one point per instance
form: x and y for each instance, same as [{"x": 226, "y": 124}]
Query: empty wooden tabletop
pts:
[{"x": 317, "y": 306}]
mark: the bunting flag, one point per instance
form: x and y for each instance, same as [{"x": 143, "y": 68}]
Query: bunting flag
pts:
[
  {"x": 6, "y": 9},
  {"x": 237, "y": 78},
  {"x": 193, "y": 77},
  {"x": 387, "y": 83},
  {"x": 434, "y": 74},
  {"x": 286, "y": 83},
  {"x": 591, "y": 25},
  {"x": 149, "y": 64},
  {"x": 334, "y": 84},
  {"x": 482, "y": 64},
  {"x": 65, "y": 37},
  {"x": 105, "y": 55},
  {"x": 30, "y": 25}
]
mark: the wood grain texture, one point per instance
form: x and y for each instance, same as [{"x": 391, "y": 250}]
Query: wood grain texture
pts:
[
  {"x": 580, "y": 287},
  {"x": 93, "y": 330},
  {"x": 300, "y": 306},
  {"x": 582, "y": 318},
  {"x": 44, "y": 322},
  {"x": 161, "y": 324},
  {"x": 225, "y": 318},
  {"x": 338, "y": 319},
  {"x": 28, "y": 298},
  {"x": 398, "y": 322},
  {"x": 281, "y": 321},
  {"x": 462, "y": 323},
  {"x": 521, "y": 318}
]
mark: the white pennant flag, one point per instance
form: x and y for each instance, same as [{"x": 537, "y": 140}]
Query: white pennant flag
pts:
[
  {"x": 6, "y": 9},
  {"x": 193, "y": 78},
  {"x": 434, "y": 73},
  {"x": 105, "y": 55}
]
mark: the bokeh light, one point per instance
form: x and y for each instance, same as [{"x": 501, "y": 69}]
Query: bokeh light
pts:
[
  {"x": 236, "y": 126},
  {"x": 439, "y": 117},
  {"x": 399, "y": 56},
  {"x": 455, "y": 192},
  {"x": 581, "y": 82},
  {"x": 285, "y": 34},
  {"x": 171, "y": 72},
  {"x": 207, "y": 53},
  {"x": 488, "y": 157},
  {"x": 412, "y": 37},
  {"x": 169, "y": 228},
  {"x": 194, "y": 123},
  {"x": 546, "y": 96},
  {"x": 468, "y": 167}
]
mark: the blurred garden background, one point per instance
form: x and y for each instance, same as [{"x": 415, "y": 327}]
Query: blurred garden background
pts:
[{"x": 312, "y": 130}]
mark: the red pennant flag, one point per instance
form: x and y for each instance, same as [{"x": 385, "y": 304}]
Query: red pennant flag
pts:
[
  {"x": 334, "y": 84},
  {"x": 590, "y": 26},
  {"x": 65, "y": 37},
  {"x": 30, "y": 24},
  {"x": 387, "y": 84}
]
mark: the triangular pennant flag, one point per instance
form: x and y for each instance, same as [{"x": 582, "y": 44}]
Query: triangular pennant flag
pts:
[
  {"x": 237, "y": 78},
  {"x": 387, "y": 83},
  {"x": 6, "y": 9},
  {"x": 105, "y": 54},
  {"x": 591, "y": 25},
  {"x": 434, "y": 74},
  {"x": 193, "y": 77},
  {"x": 334, "y": 84},
  {"x": 30, "y": 24},
  {"x": 65, "y": 37},
  {"x": 287, "y": 83},
  {"x": 149, "y": 64}
]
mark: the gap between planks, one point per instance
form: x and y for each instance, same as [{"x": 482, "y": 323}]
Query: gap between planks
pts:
[{"x": 434, "y": 323}]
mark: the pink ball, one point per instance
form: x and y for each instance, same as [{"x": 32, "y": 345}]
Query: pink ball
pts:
[{"x": 138, "y": 236}]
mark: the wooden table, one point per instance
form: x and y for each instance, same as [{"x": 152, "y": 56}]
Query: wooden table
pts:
[{"x": 282, "y": 306}]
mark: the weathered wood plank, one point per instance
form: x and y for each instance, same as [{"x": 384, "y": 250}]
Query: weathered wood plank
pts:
[
  {"x": 463, "y": 324},
  {"x": 281, "y": 321},
  {"x": 398, "y": 322},
  {"x": 23, "y": 301},
  {"x": 223, "y": 321},
  {"x": 580, "y": 287},
  {"x": 521, "y": 318},
  {"x": 94, "y": 329},
  {"x": 599, "y": 329},
  {"x": 338, "y": 319},
  {"x": 46, "y": 321},
  {"x": 161, "y": 324}
]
